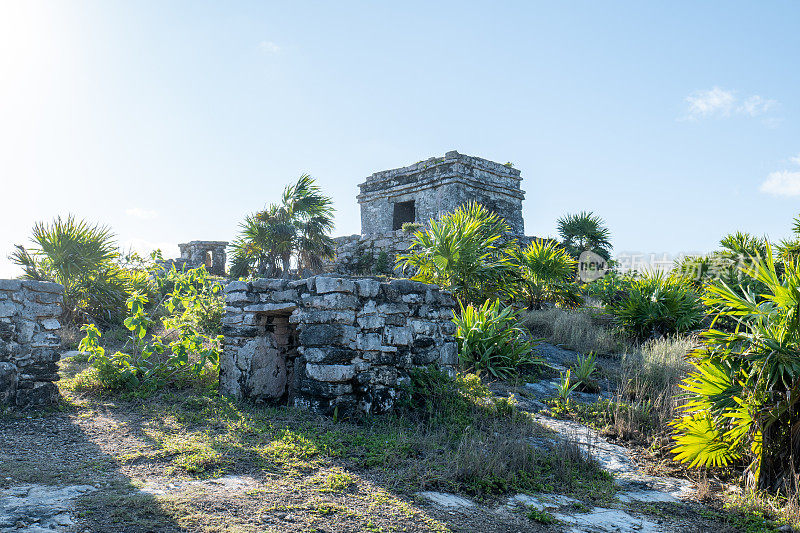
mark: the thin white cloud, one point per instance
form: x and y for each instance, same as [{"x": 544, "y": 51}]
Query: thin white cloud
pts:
[
  {"x": 138, "y": 212},
  {"x": 782, "y": 183},
  {"x": 755, "y": 106},
  {"x": 795, "y": 159},
  {"x": 268, "y": 47},
  {"x": 714, "y": 102},
  {"x": 720, "y": 103}
]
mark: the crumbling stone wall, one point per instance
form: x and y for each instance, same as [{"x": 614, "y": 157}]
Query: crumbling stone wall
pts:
[
  {"x": 332, "y": 343},
  {"x": 437, "y": 186},
  {"x": 198, "y": 253},
  {"x": 374, "y": 253},
  {"x": 30, "y": 313}
]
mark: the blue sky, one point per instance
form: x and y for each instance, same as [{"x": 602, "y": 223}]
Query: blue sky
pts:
[{"x": 677, "y": 122}]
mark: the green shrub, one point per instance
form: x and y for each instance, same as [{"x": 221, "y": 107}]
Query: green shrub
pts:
[
  {"x": 193, "y": 298},
  {"x": 582, "y": 373},
  {"x": 84, "y": 258},
  {"x": 465, "y": 252},
  {"x": 150, "y": 363},
  {"x": 411, "y": 227},
  {"x": 743, "y": 392},
  {"x": 656, "y": 304},
  {"x": 610, "y": 288},
  {"x": 491, "y": 340},
  {"x": 547, "y": 274}
]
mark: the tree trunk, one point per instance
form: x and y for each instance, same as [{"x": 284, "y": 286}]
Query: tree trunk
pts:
[{"x": 780, "y": 455}]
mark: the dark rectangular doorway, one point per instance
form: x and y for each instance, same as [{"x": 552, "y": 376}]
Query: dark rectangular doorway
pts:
[{"x": 403, "y": 212}]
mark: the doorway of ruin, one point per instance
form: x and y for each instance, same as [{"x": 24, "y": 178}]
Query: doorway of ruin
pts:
[{"x": 272, "y": 367}]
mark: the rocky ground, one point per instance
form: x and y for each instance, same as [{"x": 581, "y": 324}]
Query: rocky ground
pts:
[{"x": 110, "y": 465}]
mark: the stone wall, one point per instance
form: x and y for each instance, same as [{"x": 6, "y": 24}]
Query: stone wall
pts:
[
  {"x": 30, "y": 313},
  {"x": 198, "y": 253},
  {"x": 358, "y": 255},
  {"x": 438, "y": 186},
  {"x": 332, "y": 343}
]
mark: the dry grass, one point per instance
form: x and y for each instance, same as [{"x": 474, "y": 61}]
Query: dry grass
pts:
[
  {"x": 574, "y": 329},
  {"x": 648, "y": 385}
]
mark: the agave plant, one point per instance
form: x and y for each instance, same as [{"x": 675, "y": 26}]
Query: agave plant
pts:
[
  {"x": 293, "y": 232},
  {"x": 657, "y": 304},
  {"x": 491, "y": 340},
  {"x": 743, "y": 394},
  {"x": 547, "y": 274},
  {"x": 585, "y": 231},
  {"x": 464, "y": 252}
]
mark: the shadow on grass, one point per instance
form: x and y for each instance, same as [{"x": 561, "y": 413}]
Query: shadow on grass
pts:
[{"x": 52, "y": 472}]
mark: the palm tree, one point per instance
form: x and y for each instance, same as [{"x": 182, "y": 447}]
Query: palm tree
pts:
[
  {"x": 585, "y": 231},
  {"x": 743, "y": 395},
  {"x": 292, "y": 232},
  {"x": 547, "y": 274},
  {"x": 83, "y": 258},
  {"x": 464, "y": 252}
]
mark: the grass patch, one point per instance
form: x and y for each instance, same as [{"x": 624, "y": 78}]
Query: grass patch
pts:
[
  {"x": 574, "y": 329},
  {"x": 543, "y": 517}
]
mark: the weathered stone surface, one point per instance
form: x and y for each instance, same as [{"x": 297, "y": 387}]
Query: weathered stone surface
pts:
[
  {"x": 325, "y": 285},
  {"x": 333, "y": 373},
  {"x": 30, "y": 314},
  {"x": 335, "y": 344},
  {"x": 8, "y": 382}
]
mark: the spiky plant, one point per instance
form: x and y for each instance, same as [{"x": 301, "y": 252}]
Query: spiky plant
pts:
[
  {"x": 585, "y": 231},
  {"x": 547, "y": 274},
  {"x": 743, "y": 395},
  {"x": 464, "y": 252},
  {"x": 83, "y": 258},
  {"x": 294, "y": 232}
]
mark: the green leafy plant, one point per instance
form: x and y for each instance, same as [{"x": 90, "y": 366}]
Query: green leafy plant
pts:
[
  {"x": 84, "y": 258},
  {"x": 293, "y": 232},
  {"x": 491, "y": 340},
  {"x": 565, "y": 388},
  {"x": 585, "y": 231},
  {"x": 412, "y": 227},
  {"x": 150, "y": 363},
  {"x": 464, "y": 252},
  {"x": 582, "y": 377},
  {"x": 192, "y": 297},
  {"x": 657, "y": 304},
  {"x": 743, "y": 394},
  {"x": 547, "y": 274}
]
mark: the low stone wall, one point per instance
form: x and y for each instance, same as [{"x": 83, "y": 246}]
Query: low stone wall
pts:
[
  {"x": 30, "y": 313},
  {"x": 332, "y": 343}
]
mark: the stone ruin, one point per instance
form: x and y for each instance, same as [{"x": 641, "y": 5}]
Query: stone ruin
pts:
[
  {"x": 210, "y": 254},
  {"x": 429, "y": 189},
  {"x": 30, "y": 324},
  {"x": 420, "y": 192},
  {"x": 332, "y": 344}
]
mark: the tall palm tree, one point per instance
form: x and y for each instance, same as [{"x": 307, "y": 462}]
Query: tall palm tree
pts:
[
  {"x": 291, "y": 233},
  {"x": 585, "y": 231}
]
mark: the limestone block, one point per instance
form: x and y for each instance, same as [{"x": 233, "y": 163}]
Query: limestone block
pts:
[
  {"x": 237, "y": 286},
  {"x": 321, "y": 334},
  {"x": 285, "y": 307},
  {"x": 327, "y": 317},
  {"x": 330, "y": 373},
  {"x": 238, "y": 298},
  {"x": 326, "y": 285},
  {"x": 7, "y": 309},
  {"x": 369, "y": 341},
  {"x": 11, "y": 285},
  {"x": 371, "y": 322},
  {"x": 398, "y": 336},
  {"x": 334, "y": 300},
  {"x": 368, "y": 288},
  {"x": 50, "y": 324},
  {"x": 268, "y": 284},
  {"x": 43, "y": 286},
  {"x": 330, "y": 355},
  {"x": 266, "y": 369},
  {"x": 448, "y": 354},
  {"x": 424, "y": 327}
]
